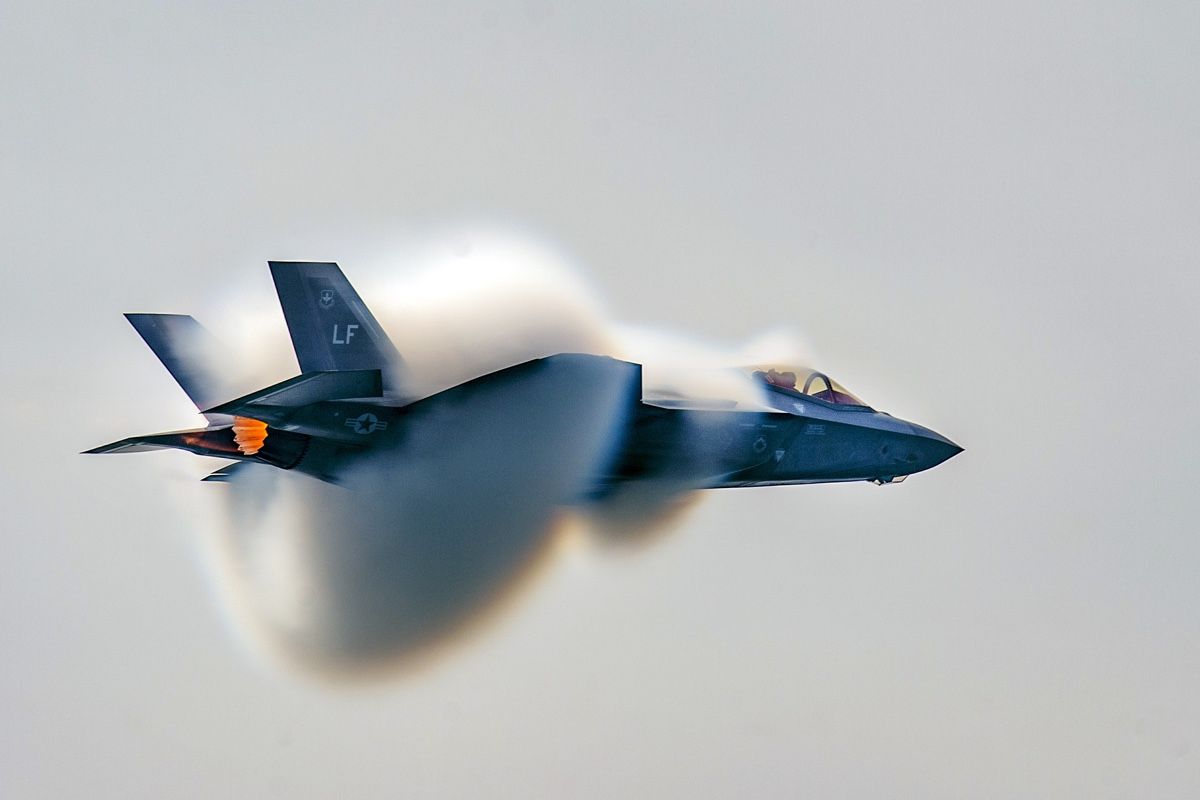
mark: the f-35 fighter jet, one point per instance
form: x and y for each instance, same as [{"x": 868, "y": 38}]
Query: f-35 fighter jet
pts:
[{"x": 350, "y": 402}]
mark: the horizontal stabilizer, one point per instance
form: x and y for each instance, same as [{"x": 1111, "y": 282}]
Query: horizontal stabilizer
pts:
[
  {"x": 278, "y": 448},
  {"x": 303, "y": 390},
  {"x": 203, "y": 441},
  {"x": 225, "y": 473}
]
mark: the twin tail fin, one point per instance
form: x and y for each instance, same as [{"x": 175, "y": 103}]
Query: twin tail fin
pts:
[{"x": 331, "y": 328}]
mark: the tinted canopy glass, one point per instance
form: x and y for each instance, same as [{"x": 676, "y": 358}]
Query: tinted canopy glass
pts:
[{"x": 805, "y": 381}]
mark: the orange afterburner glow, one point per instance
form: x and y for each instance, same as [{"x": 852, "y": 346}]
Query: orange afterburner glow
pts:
[{"x": 249, "y": 434}]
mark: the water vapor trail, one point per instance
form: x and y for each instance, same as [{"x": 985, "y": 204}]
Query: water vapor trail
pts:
[
  {"x": 423, "y": 537},
  {"x": 675, "y": 367}
]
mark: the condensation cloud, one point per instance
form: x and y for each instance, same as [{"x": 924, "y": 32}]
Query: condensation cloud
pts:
[{"x": 426, "y": 537}]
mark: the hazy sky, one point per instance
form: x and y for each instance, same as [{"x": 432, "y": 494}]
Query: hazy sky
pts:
[{"x": 982, "y": 216}]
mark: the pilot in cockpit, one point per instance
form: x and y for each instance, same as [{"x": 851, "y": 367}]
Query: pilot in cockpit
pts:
[
  {"x": 784, "y": 380},
  {"x": 816, "y": 385}
]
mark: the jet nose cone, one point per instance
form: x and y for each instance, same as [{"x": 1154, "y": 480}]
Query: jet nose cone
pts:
[
  {"x": 931, "y": 448},
  {"x": 934, "y": 436},
  {"x": 925, "y": 449}
]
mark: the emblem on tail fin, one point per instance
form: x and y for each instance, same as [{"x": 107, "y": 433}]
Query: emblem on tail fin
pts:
[{"x": 309, "y": 289}]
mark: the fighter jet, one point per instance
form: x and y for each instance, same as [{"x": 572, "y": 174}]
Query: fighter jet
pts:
[{"x": 352, "y": 399}]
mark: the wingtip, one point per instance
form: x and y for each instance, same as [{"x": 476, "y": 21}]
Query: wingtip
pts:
[{"x": 111, "y": 447}]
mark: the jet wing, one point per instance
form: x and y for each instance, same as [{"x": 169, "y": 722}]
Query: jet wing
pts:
[{"x": 690, "y": 403}]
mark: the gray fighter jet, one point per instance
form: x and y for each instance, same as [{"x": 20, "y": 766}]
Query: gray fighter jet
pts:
[{"x": 350, "y": 401}]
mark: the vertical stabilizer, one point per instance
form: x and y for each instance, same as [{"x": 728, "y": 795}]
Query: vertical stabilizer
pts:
[
  {"x": 192, "y": 355},
  {"x": 331, "y": 328}
]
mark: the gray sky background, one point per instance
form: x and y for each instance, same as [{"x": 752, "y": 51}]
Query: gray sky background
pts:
[{"x": 982, "y": 215}]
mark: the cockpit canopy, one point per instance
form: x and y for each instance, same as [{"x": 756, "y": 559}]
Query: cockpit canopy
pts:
[{"x": 807, "y": 382}]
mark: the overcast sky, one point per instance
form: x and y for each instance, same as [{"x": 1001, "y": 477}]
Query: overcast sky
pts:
[{"x": 982, "y": 216}]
